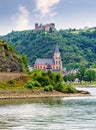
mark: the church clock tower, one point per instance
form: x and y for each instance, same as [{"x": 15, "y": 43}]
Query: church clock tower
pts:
[{"x": 57, "y": 58}]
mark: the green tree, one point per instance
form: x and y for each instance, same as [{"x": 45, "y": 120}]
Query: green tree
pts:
[
  {"x": 69, "y": 77},
  {"x": 81, "y": 74},
  {"x": 77, "y": 47},
  {"x": 24, "y": 62},
  {"x": 58, "y": 78},
  {"x": 90, "y": 75}
]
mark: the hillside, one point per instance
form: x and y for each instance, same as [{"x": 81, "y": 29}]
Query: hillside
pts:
[
  {"x": 9, "y": 61},
  {"x": 77, "y": 47}
]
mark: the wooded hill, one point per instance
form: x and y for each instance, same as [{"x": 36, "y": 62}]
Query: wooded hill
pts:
[{"x": 77, "y": 47}]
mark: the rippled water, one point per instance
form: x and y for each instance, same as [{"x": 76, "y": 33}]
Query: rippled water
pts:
[{"x": 74, "y": 113}]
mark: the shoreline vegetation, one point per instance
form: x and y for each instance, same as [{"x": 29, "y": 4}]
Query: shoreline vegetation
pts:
[{"x": 12, "y": 86}]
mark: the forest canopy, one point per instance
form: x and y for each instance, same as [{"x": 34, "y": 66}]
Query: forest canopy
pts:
[{"x": 77, "y": 47}]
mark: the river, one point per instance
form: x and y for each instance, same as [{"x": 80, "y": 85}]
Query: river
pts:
[{"x": 68, "y": 113}]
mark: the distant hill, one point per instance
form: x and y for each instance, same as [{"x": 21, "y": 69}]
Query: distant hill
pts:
[
  {"x": 9, "y": 61},
  {"x": 77, "y": 47}
]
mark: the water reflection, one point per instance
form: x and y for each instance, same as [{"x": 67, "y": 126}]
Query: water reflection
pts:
[
  {"x": 49, "y": 101},
  {"x": 48, "y": 114}
]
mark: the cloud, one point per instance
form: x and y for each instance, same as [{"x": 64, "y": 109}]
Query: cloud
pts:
[
  {"x": 46, "y": 7},
  {"x": 22, "y": 18}
]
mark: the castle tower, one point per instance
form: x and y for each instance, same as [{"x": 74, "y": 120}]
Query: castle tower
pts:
[
  {"x": 52, "y": 25},
  {"x": 57, "y": 58},
  {"x": 36, "y": 27}
]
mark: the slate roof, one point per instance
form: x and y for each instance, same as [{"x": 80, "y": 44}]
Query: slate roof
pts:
[{"x": 44, "y": 61}]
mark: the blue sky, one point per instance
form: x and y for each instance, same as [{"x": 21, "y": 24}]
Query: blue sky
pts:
[{"x": 23, "y": 14}]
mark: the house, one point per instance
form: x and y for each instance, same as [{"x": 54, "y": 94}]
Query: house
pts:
[{"x": 54, "y": 64}]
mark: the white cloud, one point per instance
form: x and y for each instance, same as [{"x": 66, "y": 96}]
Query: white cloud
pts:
[
  {"x": 45, "y": 7},
  {"x": 22, "y": 18}
]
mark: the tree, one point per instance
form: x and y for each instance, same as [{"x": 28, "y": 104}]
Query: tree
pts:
[
  {"x": 77, "y": 47},
  {"x": 69, "y": 77},
  {"x": 81, "y": 74},
  {"x": 24, "y": 62},
  {"x": 90, "y": 75}
]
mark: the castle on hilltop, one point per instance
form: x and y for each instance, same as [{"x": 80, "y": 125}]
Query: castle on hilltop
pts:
[
  {"x": 54, "y": 64},
  {"x": 47, "y": 27}
]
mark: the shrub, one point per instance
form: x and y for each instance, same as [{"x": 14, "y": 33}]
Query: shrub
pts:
[
  {"x": 68, "y": 88},
  {"x": 2, "y": 85},
  {"x": 58, "y": 78},
  {"x": 44, "y": 80},
  {"x": 48, "y": 88},
  {"x": 12, "y": 81},
  {"x": 59, "y": 86},
  {"x": 30, "y": 84},
  {"x": 37, "y": 84}
]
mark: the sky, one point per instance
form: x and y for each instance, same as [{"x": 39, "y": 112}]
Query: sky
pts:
[{"x": 20, "y": 15}]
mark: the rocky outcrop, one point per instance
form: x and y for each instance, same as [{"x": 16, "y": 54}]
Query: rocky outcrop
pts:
[{"x": 9, "y": 60}]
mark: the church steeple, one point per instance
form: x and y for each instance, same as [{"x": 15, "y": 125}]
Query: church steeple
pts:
[
  {"x": 57, "y": 49},
  {"x": 57, "y": 58}
]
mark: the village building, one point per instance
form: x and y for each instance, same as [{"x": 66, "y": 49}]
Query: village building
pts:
[{"x": 54, "y": 64}]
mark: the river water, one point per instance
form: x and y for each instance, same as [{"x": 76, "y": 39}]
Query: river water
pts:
[{"x": 68, "y": 113}]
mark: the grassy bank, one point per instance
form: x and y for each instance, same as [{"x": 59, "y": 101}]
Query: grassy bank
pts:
[
  {"x": 37, "y": 80},
  {"x": 37, "y": 84}
]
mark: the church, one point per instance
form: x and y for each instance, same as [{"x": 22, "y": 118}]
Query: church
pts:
[{"x": 54, "y": 64}]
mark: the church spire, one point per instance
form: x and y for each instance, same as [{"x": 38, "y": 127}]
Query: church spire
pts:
[{"x": 57, "y": 49}]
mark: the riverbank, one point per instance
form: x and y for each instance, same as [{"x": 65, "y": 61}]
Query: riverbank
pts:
[
  {"x": 13, "y": 86},
  {"x": 39, "y": 94}
]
